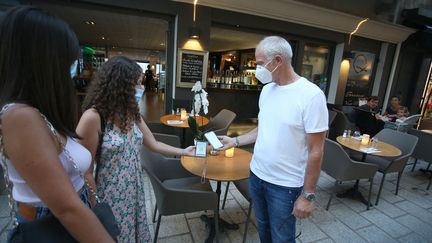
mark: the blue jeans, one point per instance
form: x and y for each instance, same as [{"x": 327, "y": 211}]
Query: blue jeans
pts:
[
  {"x": 273, "y": 207},
  {"x": 42, "y": 212}
]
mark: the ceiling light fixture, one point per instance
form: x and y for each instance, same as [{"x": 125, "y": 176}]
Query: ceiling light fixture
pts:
[
  {"x": 89, "y": 22},
  {"x": 103, "y": 38},
  {"x": 194, "y": 13},
  {"x": 162, "y": 44},
  {"x": 194, "y": 32},
  {"x": 356, "y": 29}
]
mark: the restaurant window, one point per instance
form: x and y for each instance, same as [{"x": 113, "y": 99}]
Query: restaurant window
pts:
[{"x": 315, "y": 64}]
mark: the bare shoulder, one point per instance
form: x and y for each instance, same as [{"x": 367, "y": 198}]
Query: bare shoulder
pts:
[
  {"x": 20, "y": 113},
  {"x": 90, "y": 116}
]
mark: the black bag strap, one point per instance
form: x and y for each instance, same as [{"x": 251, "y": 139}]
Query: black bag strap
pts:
[{"x": 99, "y": 148}]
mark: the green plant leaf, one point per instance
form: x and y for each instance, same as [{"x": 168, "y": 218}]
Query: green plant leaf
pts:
[{"x": 193, "y": 125}]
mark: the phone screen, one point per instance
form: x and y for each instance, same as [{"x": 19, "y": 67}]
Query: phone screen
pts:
[{"x": 213, "y": 140}]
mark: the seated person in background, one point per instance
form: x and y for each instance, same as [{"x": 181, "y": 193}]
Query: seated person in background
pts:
[
  {"x": 367, "y": 118},
  {"x": 402, "y": 114},
  {"x": 392, "y": 110}
]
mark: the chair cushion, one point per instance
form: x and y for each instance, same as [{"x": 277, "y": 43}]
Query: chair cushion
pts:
[
  {"x": 192, "y": 183},
  {"x": 381, "y": 162}
]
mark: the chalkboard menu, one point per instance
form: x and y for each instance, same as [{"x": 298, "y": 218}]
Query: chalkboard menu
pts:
[{"x": 191, "y": 67}]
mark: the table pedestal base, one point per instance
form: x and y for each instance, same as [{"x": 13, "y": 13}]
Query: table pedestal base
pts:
[{"x": 209, "y": 221}]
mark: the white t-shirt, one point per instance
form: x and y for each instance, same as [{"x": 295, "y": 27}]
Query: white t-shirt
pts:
[{"x": 287, "y": 114}]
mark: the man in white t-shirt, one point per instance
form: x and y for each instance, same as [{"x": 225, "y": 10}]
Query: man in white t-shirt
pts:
[{"x": 289, "y": 143}]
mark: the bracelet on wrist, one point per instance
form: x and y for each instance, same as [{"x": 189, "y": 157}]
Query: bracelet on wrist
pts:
[{"x": 237, "y": 142}]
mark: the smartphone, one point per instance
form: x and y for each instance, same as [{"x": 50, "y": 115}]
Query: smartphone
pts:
[{"x": 213, "y": 140}]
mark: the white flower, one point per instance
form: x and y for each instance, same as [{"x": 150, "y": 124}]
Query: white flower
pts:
[
  {"x": 204, "y": 101},
  {"x": 200, "y": 98},
  {"x": 197, "y": 103},
  {"x": 197, "y": 87}
]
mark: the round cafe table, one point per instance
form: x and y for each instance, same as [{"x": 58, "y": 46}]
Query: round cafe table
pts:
[
  {"x": 384, "y": 150},
  {"x": 201, "y": 121},
  {"x": 219, "y": 168}
]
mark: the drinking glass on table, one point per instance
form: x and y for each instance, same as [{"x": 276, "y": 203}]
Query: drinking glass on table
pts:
[
  {"x": 374, "y": 142},
  {"x": 357, "y": 134}
]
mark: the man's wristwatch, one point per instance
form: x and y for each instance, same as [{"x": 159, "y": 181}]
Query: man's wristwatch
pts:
[{"x": 310, "y": 196}]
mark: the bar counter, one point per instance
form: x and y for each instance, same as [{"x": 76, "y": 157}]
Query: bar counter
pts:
[{"x": 239, "y": 98}]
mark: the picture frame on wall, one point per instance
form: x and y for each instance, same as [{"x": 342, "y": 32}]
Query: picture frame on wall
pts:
[{"x": 191, "y": 67}]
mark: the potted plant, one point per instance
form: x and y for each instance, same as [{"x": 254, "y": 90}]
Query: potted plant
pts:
[{"x": 200, "y": 103}]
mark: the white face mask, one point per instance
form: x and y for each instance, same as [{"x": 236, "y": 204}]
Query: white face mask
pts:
[
  {"x": 263, "y": 74},
  {"x": 139, "y": 93},
  {"x": 73, "y": 70}
]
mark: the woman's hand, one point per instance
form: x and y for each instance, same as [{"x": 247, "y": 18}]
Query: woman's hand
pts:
[
  {"x": 189, "y": 151},
  {"x": 228, "y": 142}
]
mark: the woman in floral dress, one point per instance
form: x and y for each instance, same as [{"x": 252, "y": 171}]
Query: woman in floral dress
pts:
[{"x": 113, "y": 130}]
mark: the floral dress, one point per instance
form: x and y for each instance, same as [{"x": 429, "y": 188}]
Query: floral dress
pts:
[{"x": 120, "y": 182}]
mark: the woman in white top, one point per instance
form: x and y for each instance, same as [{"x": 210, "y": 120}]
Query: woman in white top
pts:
[{"x": 38, "y": 53}]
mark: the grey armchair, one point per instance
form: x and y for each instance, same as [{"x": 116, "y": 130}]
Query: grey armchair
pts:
[
  {"x": 169, "y": 139},
  {"x": 422, "y": 150},
  {"x": 160, "y": 128},
  {"x": 339, "y": 124},
  {"x": 332, "y": 116},
  {"x": 176, "y": 190},
  {"x": 403, "y": 141},
  {"x": 408, "y": 123},
  {"x": 221, "y": 122},
  {"x": 337, "y": 164}
]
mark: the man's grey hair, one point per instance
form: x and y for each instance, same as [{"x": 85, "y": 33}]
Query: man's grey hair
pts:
[{"x": 274, "y": 45}]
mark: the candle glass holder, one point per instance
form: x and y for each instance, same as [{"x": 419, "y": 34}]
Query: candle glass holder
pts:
[
  {"x": 229, "y": 152},
  {"x": 365, "y": 139}
]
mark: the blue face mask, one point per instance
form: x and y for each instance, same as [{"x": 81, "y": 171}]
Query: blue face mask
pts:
[{"x": 73, "y": 69}]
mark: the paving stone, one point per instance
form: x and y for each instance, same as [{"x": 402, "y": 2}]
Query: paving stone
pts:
[
  {"x": 322, "y": 198},
  {"x": 416, "y": 225},
  {"x": 325, "y": 241},
  {"x": 349, "y": 217},
  {"x": 186, "y": 238},
  {"x": 320, "y": 215},
  {"x": 416, "y": 211},
  {"x": 309, "y": 231},
  {"x": 173, "y": 225},
  {"x": 386, "y": 223},
  {"x": 339, "y": 232},
  {"x": 387, "y": 195},
  {"x": 374, "y": 234},
  {"x": 412, "y": 238},
  {"x": 236, "y": 195},
  {"x": 416, "y": 198},
  {"x": 389, "y": 209},
  {"x": 237, "y": 235},
  {"x": 200, "y": 231}
]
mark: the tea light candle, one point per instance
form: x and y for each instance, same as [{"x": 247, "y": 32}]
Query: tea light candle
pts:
[
  {"x": 365, "y": 139},
  {"x": 183, "y": 114},
  {"x": 229, "y": 152}
]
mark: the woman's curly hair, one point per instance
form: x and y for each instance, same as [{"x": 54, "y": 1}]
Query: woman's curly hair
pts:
[{"x": 112, "y": 92}]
